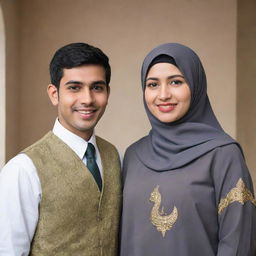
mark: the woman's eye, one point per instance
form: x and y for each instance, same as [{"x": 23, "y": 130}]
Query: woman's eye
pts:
[
  {"x": 152, "y": 85},
  {"x": 176, "y": 82}
]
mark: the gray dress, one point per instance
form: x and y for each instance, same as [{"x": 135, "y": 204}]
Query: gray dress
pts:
[
  {"x": 187, "y": 190},
  {"x": 196, "y": 219}
]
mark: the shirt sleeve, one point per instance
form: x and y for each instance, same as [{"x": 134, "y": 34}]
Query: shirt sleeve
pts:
[
  {"x": 235, "y": 203},
  {"x": 20, "y": 194}
]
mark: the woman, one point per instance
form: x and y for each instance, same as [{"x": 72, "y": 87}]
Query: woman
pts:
[{"x": 187, "y": 190}]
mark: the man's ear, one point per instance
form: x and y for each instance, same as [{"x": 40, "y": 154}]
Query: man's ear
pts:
[{"x": 53, "y": 94}]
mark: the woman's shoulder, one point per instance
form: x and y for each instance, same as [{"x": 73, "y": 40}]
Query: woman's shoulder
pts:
[
  {"x": 134, "y": 146},
  {"x": 229, "y": 158},
  {"x": 229, "y": 151},
  {"x": 229, "y": 168}
]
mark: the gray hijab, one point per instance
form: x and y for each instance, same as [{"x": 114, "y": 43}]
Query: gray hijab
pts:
[{"x": 172, "y": 145}]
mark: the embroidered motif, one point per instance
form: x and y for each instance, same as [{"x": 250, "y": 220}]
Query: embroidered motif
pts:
[
  {"x": 240, "y": 193},
  {"x": 161, "y": 220}
]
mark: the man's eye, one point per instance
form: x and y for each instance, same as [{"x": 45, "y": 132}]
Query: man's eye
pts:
[
  {"x": 74, "y": 88},
  {"x": 98, "y": 87}
]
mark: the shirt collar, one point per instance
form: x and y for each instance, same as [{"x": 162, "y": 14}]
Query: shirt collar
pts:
[{"x": 76, "y": 143}]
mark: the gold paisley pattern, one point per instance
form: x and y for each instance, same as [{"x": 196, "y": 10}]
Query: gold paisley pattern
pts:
[
  {"x": 159, "y": 219},
  {"x": 240, "y": 193}
]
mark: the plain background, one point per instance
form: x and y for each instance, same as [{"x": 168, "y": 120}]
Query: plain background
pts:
[{"x": 223, "y": 33}]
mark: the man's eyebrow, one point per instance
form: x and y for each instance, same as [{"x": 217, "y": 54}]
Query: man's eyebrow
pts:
[
  {"x": 169, "y": 77},
  {"x": 74, "y": 82},
  {"x": 99, "y": 82}
]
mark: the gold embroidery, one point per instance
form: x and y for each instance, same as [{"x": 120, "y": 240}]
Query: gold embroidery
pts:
[
  {"x": 161, "y": 220},
  {"x": 240, "y": 193}
]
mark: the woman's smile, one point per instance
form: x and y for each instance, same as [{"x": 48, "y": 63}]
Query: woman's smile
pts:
[
  {"x": 167, "y": 107},
  {"x": 167, "y": 93}
]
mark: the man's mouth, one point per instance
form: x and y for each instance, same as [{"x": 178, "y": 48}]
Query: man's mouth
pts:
[{"x": 86, "y": 113}]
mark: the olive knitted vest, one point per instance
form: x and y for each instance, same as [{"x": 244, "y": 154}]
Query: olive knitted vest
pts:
[{"x": 74, "y": 217}]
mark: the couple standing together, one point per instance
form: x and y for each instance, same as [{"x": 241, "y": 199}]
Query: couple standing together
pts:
[{"x": 185, "y": 189}]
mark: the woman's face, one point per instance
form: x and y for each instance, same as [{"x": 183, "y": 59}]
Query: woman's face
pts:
[{"x": 167, "y": 94}]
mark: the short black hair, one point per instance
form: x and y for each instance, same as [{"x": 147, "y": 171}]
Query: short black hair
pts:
[{"x": 75, "y": 55}]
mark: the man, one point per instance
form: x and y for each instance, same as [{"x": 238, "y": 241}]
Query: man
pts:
[{"x": 61, "y": 195}]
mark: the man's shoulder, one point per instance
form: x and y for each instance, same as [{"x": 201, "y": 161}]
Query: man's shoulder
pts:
[
  {"x": 40, "y": 142},
  {"x": 22, "y": 164},
  {"x": 103, "y": 142},
  {"x": 19, "y": 165}
]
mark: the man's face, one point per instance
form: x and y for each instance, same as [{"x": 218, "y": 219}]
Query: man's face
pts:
[{"x": 81, "y": 99}]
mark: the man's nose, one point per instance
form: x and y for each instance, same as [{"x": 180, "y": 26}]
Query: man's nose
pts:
[{"x": 86, "y": 96}]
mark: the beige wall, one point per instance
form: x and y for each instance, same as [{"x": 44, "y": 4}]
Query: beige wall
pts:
[
  {"x": 12, "y": 42},
  {"x": 2, "y": 89},
  {"x": 126, "y": 31},
  {"x": 246, "y": 81}
]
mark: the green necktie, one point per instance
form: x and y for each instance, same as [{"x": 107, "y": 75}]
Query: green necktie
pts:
[{"x": 92, "y": 165}]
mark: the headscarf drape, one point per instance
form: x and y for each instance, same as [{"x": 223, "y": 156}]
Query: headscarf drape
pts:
[{"x": 172, "y": 145}]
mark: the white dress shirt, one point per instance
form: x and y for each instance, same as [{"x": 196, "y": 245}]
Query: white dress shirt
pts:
[{"x": 20, "y": 195}]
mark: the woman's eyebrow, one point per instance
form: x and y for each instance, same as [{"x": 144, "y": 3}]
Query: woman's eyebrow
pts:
[
  {"x": 174, "y": 76},
  {"x": 169, "y": 77},
  {"x": 152, "y": 78}
]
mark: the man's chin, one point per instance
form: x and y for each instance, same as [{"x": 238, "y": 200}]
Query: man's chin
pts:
[{"x": 85, "y": 129}]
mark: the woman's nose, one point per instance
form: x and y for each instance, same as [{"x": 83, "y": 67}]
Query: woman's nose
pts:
[{"x": 164, "y": 92}]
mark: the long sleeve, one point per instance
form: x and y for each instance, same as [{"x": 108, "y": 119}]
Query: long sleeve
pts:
[
  {"x": 235, "y": 203},
  {"x": 20, "y": 193}
]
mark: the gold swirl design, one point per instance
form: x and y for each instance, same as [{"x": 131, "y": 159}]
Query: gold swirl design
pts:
[
  {"x": 240, "y": 193},
  {"x": 159, "y": 219}
]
